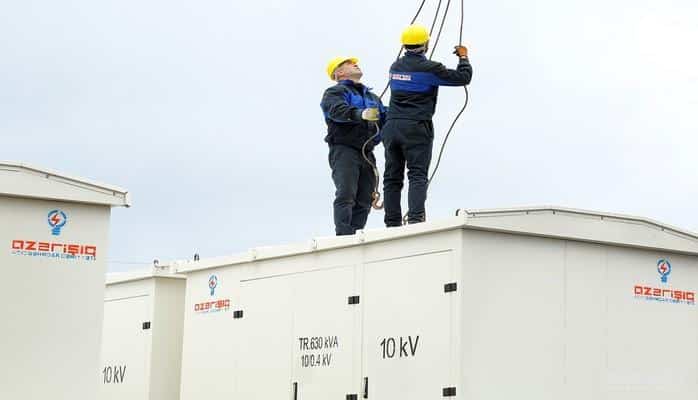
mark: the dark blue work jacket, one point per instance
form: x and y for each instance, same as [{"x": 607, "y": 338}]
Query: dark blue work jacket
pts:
[
  {"x": 342, "y": 105},
  {"x": 414, "y": 85}
]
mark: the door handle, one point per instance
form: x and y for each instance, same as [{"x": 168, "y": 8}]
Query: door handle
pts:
[
  {"x": 295, "y": 390},
  {"x": 366, "y": 387}
]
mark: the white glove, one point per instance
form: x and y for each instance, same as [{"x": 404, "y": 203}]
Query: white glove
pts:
[{"x": 370, "y": 114}]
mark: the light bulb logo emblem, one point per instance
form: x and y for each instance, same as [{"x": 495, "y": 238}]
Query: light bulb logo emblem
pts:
[
  {"x": 664, "y": 269},
  {"x": 212, "y": 283},
  {"x": 56, "y": 220}
]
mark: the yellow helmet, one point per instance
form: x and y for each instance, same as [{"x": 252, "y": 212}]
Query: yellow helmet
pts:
[
  {"x": 415, "y": 34},
  {"x": 336, "y": 62}
]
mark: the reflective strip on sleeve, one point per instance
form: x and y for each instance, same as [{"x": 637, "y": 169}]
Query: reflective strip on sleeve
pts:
[{"x": 418, "y": 82}]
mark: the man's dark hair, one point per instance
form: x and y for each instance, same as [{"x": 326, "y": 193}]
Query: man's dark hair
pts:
[{"x": 413, "y": 46}]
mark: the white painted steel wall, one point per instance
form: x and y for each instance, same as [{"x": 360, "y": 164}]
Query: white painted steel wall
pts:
[
  {"x": 539, "y": 312},
  {"x": 298, "y": 326},
  {"x": 51, "y": 307},
  {"x": 549, "y": 319},
  {"x": 126, "y": 346},
  {"x": 140, "y": 362},
  {"x": 167, "y": 330}
]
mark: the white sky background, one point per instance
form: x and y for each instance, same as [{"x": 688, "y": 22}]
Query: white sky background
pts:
[{"x": 208, "y": 111}]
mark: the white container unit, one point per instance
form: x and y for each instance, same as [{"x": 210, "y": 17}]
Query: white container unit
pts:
[
  {"x": 54, "y": 238},
  {"x": 142, "y": 341},
  {"x": 536, "y": 303}
]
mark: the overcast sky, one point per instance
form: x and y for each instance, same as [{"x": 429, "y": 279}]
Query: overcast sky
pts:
[{"x": 208, "y": 111}]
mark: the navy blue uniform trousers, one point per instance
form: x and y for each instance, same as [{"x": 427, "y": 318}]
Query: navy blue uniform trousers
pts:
[
  {"x": 354, "y": 182},
  {"x": 407, "y": 143}
]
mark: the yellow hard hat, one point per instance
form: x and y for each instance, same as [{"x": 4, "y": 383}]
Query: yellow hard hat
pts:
[
  {"x": 336, "y": 62},
  {"x": 415, "y": 34}
]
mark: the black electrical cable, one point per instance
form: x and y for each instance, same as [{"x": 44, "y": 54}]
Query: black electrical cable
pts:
[
  {"x": 460, "y": 32},
  {"x": 433, "y": 49},
  {"x": 467, "y": 98},
  {"x": 438, "y": 35},
  {"x": 436, "y": 18},
  {"x": 419, "y": 10},
  {"x": 443, "y": 145},
  {"x": 375, "y": 196}
]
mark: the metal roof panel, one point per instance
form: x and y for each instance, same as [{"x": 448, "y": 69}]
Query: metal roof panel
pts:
[{"x": 24, "y": 180}]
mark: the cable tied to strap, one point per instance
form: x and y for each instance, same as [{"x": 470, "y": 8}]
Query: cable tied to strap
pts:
[{"x": 376, "y": 195}]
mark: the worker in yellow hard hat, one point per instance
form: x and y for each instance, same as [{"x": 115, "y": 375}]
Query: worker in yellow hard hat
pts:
[
  {"x": 408, "y": 134},
  {"x": 353, "y": 114}
]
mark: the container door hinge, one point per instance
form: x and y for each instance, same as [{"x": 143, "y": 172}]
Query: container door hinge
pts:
[
  {"x": 352, "y": 397},
  {"x": 449, "y": 392},
  {"x": 353, "y": 300},
  {"x": 146, "y": 325},
  {"x": 237, "y": 314},
  {"x": 450, "y": 287}
]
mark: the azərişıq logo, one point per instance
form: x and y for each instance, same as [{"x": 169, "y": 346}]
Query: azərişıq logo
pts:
[
  {"x": 49, "y": 249},
  {"x": 215, "y": 305},
  {"x": 664, "y": 294}
]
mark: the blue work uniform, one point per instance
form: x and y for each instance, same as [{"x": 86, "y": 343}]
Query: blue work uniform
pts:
[
  {"x": 347, "y": 132},
  {"x": 408, "y": 134}
]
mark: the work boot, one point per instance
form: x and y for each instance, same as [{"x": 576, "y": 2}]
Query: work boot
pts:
[{"x": 417, "y": 218}]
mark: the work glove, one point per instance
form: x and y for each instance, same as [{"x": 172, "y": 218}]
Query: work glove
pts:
[
  {"x": 370, "y": 114},
  {"x": 461, "y": 51}
]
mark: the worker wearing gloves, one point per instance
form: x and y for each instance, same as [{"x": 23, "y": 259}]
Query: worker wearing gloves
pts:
[
  {"x": 353, "y": 114},
  {"x": 408, "y": 134}
]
